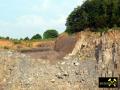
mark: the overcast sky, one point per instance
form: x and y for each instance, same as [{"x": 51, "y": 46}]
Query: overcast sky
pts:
[{"x": 21, "y": 18}]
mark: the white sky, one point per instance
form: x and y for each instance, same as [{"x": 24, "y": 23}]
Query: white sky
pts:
[{"x": 21, "y": 18}]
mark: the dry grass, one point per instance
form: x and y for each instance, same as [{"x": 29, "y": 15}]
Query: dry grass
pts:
[
  {"x": 5, "y": 43},
  {"x": 16, "y": 44}
]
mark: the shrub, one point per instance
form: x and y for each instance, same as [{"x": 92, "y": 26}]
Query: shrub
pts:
[
  {"x": 50, "y": 34},
  {"x": 26, "y": 38},
  {"x": 6, "y": 47},
  {"x": 36, "y": 37},
  {"x": 16, "y": 41}
]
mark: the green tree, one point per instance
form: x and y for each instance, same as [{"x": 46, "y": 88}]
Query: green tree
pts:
[
  {"x": 36, "y": 37},
  {"x": 21, "y": 39},
  {"x": 26, "y": 38},
  {"x": 2, "y": 37},
  {"x": 94, "y": 14},
  {"x": 50, "y": 34},
  {"x": 7, "y": 38}
]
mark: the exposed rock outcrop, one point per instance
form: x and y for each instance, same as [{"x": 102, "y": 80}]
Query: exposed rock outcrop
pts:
[{"x": 105, "y": 49}]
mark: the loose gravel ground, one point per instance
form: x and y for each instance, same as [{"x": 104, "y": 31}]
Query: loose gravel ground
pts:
[{"x": 20, "y": 72}]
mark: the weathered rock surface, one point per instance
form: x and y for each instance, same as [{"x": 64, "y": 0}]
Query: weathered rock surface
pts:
[{"x": 105, "y": 49}]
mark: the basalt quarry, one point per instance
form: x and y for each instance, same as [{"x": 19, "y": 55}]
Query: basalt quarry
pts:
[{"x": 87, "y": 56}]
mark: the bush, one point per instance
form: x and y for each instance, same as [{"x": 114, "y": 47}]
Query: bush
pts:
[
  {"x": 26, "y": 38},
  {"x": 36, "y": 37},
  {"x": 7, "y": 38},
  {"x": 6, "y": 47},
  {"x": 94, "y": 14},
  {"x": 2, "y": 37},
  {"x": 16, "y": 41},
  {"x": 50, "y": 34}
]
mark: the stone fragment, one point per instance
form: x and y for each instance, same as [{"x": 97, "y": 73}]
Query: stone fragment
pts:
[
  {"x": 76, "y": 63},
  {"x": 59, "y": 76},
  {"x": 65, "y": 74},
  {"x": 53, "y": 80},
  {"x": 62, "y": 63}
]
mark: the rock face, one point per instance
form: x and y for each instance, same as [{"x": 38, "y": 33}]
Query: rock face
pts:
[{"x": 104, "y": 48}]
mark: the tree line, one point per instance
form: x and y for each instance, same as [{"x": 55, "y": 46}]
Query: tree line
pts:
[
  {"x": 48, "y": 34},
  {"x": 94, "y": 14}
]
